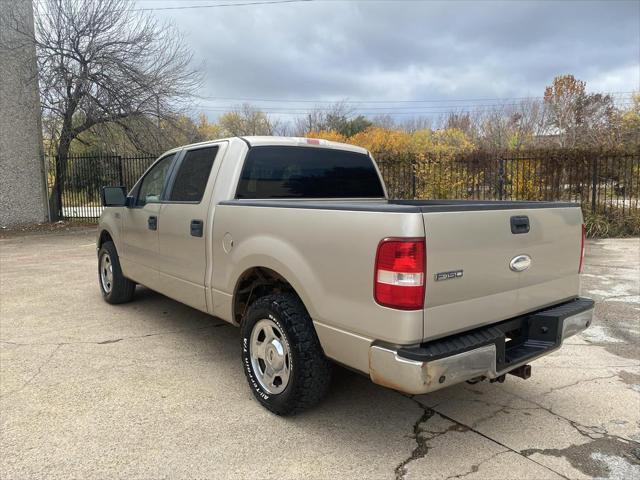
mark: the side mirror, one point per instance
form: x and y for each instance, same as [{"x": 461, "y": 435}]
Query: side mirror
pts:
[{"x": 114, "y": 197}]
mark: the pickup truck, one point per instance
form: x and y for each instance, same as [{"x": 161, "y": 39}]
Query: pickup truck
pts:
[{"x": 295, "y": 241}]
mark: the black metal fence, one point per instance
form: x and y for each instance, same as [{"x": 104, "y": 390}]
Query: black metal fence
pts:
[
  {"x": 80, "y": 179},
  {"x": 601, "y": 181}
]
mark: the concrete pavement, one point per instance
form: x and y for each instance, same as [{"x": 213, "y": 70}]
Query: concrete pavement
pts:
[{"x": 155, "y": 389}]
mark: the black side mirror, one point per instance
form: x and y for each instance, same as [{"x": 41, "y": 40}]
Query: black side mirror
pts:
[{"x": 114, "y": 197}]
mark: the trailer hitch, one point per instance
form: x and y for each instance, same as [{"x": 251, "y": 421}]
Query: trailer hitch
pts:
[{"x": 524, "y": 371}]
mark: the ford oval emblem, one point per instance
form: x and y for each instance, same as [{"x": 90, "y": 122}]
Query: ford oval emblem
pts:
[{"x": 520, "y": 263}]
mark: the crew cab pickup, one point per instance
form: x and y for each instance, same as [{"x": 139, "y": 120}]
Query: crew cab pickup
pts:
[{"x": 295, "y": 241}]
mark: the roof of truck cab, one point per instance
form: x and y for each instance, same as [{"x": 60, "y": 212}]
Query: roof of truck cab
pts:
[{"x": 256, "y": 141}]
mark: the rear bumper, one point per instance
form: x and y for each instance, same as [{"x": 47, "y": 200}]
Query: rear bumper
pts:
[{"x": 486, "y": 352}]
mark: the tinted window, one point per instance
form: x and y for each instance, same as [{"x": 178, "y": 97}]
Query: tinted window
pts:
[
  {"x": 153, "y": 182},
  {"x": 193, "y": 174},
  {"x": 307, "y": 172}
]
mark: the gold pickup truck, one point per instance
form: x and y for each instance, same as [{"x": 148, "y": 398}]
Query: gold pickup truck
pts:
[{"x": 295, "y": 241}]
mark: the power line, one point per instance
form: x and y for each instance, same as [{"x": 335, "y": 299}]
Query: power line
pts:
[
  {"x": 396, "y": 107},
  {"x": 626, "y": 101},
  {"x": 367, "y": 113},
  {"x": 218, "y": 5},
  {"x": 350, "y": 102}
]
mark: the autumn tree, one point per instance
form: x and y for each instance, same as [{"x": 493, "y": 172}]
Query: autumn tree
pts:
[
  {"x": 103, "y": 62},
  {"x": 629, "y": 123},
  {"x": 247, "y": 120},
  {"x": 574, "y": 116}
]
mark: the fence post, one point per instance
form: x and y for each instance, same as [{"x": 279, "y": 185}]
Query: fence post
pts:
[
  {"x": 413, "y": 180},
  {"x": 594, "y": 183},
  {"x": 501, "y": 180},
  {"x": 58, "y": 183},
  {"x": 120, "y": 172}
]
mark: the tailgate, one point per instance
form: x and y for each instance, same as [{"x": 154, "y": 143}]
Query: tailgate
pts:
[{"x": 470, "y": 282}]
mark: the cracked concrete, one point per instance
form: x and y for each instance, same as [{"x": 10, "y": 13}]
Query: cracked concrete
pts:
[{"x": 155, "y": 389}]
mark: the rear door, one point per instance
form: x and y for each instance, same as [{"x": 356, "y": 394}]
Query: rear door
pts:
[
  {"x": 471, "y": 280},
  {"x": 185, "y": 226}
]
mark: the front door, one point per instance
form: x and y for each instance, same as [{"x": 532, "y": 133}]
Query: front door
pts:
[
  {"x": 183, "y": 230},
  {"x": 140, "y": 221}
]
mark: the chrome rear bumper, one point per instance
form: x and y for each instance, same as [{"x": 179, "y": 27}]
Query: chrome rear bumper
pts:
[{"x": 404, "y": 370}]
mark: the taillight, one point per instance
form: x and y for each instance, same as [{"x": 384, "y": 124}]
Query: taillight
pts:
[
  {"x": 582, "y": 245},
  {"x": 399, "y": 273}
]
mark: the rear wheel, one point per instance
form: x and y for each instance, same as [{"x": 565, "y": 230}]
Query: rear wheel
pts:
[
  {"x": 115, "y": 287},
  {"x": 281, "y": 355}
]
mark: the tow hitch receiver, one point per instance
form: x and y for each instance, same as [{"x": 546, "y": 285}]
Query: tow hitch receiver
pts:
[{"x": 523, "y": 371}]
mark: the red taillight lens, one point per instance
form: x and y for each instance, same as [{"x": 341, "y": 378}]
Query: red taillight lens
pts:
[
  {"x": 582, "y": 245},
  {"x": 399, "y": 273}
]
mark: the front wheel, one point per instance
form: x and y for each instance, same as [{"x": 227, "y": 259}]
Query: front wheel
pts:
[
  {"x": 115, "y": 287},
  {"x": 281, "y": 355}
]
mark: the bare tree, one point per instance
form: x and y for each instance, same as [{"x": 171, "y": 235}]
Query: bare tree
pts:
[
  {"x": 338, "y": 117},
  {"x": 104, "y": 61},
  {"x": 415, "y": 124}
]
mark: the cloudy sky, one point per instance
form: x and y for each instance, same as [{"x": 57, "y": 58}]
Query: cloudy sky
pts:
[{"x": 452, "y": 53}]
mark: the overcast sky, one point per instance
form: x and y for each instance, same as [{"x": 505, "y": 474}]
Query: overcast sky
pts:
[{"x": 406, "y": 50}]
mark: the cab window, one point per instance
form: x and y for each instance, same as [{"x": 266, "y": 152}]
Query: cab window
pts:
[{"x": 193, "y": 174}]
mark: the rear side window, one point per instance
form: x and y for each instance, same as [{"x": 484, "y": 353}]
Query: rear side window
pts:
[
  {"x": 193, "y": 174},
  {"x": 308, "y": 172}
]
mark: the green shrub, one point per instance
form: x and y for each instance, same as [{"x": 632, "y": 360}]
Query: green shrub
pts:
[{"x": 612, "y": 223}]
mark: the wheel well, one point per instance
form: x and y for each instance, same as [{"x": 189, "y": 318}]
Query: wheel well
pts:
[
  {"x": 255, "y": 283},
  {"x": 104, "y": 237}
]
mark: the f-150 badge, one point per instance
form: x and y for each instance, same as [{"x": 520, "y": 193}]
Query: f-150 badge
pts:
[{"x": 448, "y": 275}]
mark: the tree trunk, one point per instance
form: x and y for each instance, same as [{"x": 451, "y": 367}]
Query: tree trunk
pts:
[{"x": 62, "y": 158}]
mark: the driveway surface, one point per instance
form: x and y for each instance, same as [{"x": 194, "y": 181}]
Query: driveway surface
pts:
[{"x": 155, "y": 389}]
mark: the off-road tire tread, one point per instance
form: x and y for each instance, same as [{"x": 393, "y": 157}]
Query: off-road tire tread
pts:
[
  {"x": 123, "y": 289},
  {"x": 313, "y": 369}
]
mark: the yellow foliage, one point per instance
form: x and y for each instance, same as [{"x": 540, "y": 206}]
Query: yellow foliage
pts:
[
  {"x": 384, "y": 143},
  {"x": 330, "y": 135},
  {"x": 207, "y": 130},
  {"x": 430, "y": 154}
]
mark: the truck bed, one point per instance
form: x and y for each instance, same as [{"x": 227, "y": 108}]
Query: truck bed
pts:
[
  {"x": 402, "y": 206},
  {"x": 469, "y": 246}
]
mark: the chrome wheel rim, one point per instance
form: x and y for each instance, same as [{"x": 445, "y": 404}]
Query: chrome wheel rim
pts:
[
  {"x": 106, "y": 272},
  {"x": 270, "y": 356}
]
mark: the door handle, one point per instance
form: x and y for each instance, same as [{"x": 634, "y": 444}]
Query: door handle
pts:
[
  {"x": 152, "y": 222},
  {"x": 197, "y": 228},
  {"x": 519, "y": 224}
]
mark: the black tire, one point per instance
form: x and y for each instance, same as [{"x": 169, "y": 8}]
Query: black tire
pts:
[
  {"x": 121, "y": 289},
  {"x": 310, "y": 370}
]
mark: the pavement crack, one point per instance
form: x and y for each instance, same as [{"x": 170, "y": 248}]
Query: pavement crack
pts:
[
  {"x": 33, "y": 377},
  {"x": 115, "y": 340},
  {"x": 471, "y": 428},
  {"x": 421, "y": 442},
  {"x": 579, "y": 382},
  {"x": 475, "y": 467},
  {"x": 590, "y": 432}
]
